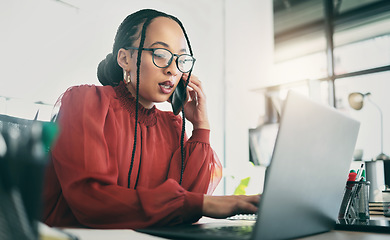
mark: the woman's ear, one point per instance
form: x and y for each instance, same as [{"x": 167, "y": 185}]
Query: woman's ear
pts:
[{"x": 124, "y": 59}]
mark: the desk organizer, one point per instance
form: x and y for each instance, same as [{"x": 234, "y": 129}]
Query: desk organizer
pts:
[{"x": 355, "y": 201}]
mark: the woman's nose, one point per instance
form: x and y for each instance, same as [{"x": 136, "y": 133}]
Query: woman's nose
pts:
[{"x": 172, "y": 68}]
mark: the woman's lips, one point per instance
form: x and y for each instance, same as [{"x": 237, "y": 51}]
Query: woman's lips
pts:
[{"x": 166, "y": 87}]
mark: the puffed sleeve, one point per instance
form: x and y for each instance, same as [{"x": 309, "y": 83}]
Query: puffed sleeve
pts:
[
  {"x": 202, "y": 168},
  {"x": 83, "y": 163}
]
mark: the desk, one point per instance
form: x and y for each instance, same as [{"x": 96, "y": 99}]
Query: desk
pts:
[{"x": 97, "y": 234}]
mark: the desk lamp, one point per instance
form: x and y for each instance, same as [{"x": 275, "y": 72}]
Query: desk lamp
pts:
[{"x": 356, "y": 101}]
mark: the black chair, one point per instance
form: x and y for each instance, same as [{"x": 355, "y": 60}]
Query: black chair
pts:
[{"x": 23, "y": 158}]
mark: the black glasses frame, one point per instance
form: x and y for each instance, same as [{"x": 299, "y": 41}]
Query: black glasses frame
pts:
[{"x": 170, "y": 60}]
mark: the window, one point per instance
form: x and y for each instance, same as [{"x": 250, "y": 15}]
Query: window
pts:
[{"x": 359, "y": 46}]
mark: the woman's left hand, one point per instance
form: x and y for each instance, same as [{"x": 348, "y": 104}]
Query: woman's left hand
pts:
[{"x": 195, "y": 109}]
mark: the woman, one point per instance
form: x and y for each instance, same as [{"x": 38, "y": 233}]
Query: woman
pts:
[{"x": 106, "y": 171}]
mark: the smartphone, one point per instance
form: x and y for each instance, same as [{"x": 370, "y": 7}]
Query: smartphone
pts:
[{"x": 179, "y": 97}]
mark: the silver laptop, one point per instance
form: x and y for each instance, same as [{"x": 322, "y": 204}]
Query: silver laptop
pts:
[{"x": 304, "y": 183}]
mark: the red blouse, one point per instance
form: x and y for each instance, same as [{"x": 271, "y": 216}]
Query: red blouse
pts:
[{"x": 86, "y": 178}]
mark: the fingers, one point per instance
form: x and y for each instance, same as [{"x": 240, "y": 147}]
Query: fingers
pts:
[
  {"x": 196, "y": 85},
  {"x": 196, "y": 109},
  {"x": 254, "y": 199},
  {"x": 192, "y": 95},
  {"x": 226, "y": 206},
  {"x": 248, "y": 204},
  {"x": 246, "y": 208}
]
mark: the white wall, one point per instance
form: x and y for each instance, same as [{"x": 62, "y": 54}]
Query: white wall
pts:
[{"x": 248, "y": 63}]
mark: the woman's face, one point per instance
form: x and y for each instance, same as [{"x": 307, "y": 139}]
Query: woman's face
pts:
[{"x": 157, "y": 84}]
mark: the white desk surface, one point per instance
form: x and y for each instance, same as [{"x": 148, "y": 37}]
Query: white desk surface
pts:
[
  {"x": 108, "y": 234},
  {"x": 98, "y": 234}
]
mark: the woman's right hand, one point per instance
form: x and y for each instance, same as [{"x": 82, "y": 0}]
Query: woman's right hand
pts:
[{"x": 226, "y": 206}]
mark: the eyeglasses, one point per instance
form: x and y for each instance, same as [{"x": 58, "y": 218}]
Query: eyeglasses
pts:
[{"x": 162, "y": 58}]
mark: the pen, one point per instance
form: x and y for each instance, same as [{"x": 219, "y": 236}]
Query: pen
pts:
[
  {"x": 362, "y": 195},
  {"x": 347, "y": 194},
  {"x": 363, "y": 176},
  {"x": 359, "y": 172}
]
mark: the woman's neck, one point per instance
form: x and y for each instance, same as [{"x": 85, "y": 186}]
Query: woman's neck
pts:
[{"x": 146, "y": 104}]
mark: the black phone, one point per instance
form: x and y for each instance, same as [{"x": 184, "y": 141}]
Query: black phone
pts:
[{"x": 179, "y": 97}]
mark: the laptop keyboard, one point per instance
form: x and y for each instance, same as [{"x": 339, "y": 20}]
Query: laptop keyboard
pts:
[{"x": 251, "y": 217}]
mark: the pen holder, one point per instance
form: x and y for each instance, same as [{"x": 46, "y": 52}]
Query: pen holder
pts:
[
  {"x": 386, "y": 202},
  {"x": 355, "y": 201}
]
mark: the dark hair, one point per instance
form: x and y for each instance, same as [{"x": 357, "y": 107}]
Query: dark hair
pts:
[{"x": 110, "y": 73}]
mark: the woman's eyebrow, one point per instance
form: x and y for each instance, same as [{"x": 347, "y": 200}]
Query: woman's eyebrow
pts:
[
  {"x": 160, "y": 43},
  {"x": 166, "y": 45}
]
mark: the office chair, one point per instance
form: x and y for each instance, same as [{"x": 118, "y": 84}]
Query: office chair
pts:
[{"x": 23, "y": 157}]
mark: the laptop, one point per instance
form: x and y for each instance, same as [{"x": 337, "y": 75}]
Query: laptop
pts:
[{"x": 304, "y": 182}]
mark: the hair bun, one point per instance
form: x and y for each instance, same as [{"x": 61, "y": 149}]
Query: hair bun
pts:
[{"x": 109, "y": 72}]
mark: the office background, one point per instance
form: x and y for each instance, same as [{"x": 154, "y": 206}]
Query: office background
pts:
[{"x": 248, "y": 52}]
